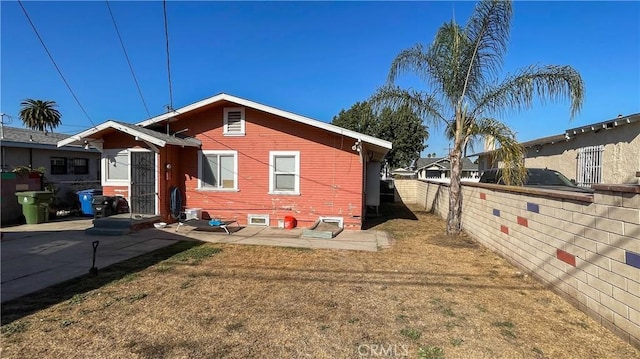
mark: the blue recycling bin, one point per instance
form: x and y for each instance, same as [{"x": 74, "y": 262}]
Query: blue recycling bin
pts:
[{"x": 85, "y": 197}]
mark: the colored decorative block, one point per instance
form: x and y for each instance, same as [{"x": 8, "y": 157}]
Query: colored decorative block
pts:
[
  {"x": 523, "y": 221},
  {"x": 566, "y": 257},
  {"x": 496, "y": 212},
  {"x": 483, "y": 196},
  {"x": 504, "y": 229},
  {"x": 632, "y": 259},
  {"x": 533, "y": 207}
]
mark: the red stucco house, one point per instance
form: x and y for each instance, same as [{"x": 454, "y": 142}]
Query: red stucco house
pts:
[{"x": 239, "y": 159}]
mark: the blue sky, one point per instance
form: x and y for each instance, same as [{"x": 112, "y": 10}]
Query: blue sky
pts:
[{"x": 310, "y": 58}]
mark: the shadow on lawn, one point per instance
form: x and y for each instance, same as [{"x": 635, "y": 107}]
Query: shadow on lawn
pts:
[
  {"x": 388, "y": 211},
  {"x": 20, "y": 307}
]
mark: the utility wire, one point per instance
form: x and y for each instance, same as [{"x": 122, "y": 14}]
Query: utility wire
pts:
[
  {"x": 128, "y": 60},
  {"x": 54, "y": 62},
  {"x": 166, "y": 36}
]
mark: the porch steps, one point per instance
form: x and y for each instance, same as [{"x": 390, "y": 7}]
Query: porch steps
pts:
[{"x": 121, "y": 224}]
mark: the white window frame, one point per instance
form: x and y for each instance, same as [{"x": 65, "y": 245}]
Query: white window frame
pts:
[
  {"x": 105, "y": 167},
  {"x": 272, "y": 164},
  {"x": 225, "y": 130},
  {"x": 235, "y": 171},
  {"x": 251, "y": 217}
]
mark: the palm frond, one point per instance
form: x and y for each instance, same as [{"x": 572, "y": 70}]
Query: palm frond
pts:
[
  {"x": 548, "y": 83},
  {"x": 412, "y": 60},
  {"x": 488, "y": 29},
  {"x": 422, "y": 104},
  {"x": 510, "y": 151},
  {"x": 447, "y": 61}
]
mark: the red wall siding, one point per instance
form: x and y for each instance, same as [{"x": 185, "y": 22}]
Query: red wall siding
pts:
[{"x": 331, "y": 172}]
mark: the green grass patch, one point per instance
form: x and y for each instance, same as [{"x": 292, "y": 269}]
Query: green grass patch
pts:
[
  {"x": 431, "y": 352},
  {"x": 15, "y": 327},
  {"x": 411, "y": 333},
  {"x": 195, "y": 255},
  {"x": 506, "y": 329},
  {"x": 77, "y": 299}
]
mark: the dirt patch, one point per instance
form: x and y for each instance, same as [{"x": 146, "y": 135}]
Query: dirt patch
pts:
[{"x": 426, "y": 296}]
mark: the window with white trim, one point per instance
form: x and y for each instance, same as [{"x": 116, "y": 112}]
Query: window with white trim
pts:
[
  {"x": 115, "y": 165},
  {"x": 284, "y": 176},
  {"x": 218, "y": 170},
  {"x": 233, "y": 121}
]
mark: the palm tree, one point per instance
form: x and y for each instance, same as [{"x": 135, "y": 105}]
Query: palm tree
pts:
[
  {"x": 461, "y": 68},
  {"x": 40, "y": 115}
]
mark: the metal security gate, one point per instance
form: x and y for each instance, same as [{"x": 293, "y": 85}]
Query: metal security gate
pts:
[
  {"x": 589, "y": 165},
  {"x": 143, "y": 183}
]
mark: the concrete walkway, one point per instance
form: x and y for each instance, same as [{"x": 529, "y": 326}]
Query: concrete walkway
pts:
[{"x": 36, "y": 256}]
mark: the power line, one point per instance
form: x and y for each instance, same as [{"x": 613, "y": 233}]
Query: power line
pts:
[
  {"x": 127, "y": 57},
  {"x": 33, "y": 26},
  {"x": 166, "y": 36}
]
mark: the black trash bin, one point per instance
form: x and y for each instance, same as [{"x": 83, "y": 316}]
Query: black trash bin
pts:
[{"x": 103, "y": 206}]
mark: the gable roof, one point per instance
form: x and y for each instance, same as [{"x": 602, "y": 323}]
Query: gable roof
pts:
[
  {"x": 272, "y": 110},
  {"x": 444, "y": 163},
  {"x": 27, "y": 138},
  {"x": 144, "y": 134}
]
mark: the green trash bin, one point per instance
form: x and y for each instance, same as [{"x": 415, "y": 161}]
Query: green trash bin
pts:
[{"x": 35, "y": 205}]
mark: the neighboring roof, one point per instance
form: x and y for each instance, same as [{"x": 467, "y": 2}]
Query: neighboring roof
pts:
[
  {"x": 544, "y": 140},
  {"x": 572, "y": 132},
  {"x": 445, "y": 164},
  {"x": 27, "y": 138},
  {"x": 145, "y": 134},
  {"x": 607, "y": 125},
  {"x": 272, "y": 110}
]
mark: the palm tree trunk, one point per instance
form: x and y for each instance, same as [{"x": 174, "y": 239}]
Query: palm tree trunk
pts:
[{"x": 454, "y": 217}]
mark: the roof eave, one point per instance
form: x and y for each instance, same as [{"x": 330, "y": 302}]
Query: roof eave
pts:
[{"x": 272, "y": 110}]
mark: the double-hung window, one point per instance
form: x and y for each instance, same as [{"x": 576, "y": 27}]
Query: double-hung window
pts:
[
  {"x": 58, "y": 166},
  {"x": 233, "y": 121},
  {"x": 284, "y": 176},
  {"x": 81, "y": 166},
  {"x": 218, "y": 170}
]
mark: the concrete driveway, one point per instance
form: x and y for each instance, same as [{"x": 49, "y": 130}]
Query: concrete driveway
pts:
[{"x": 37, "y": 256}]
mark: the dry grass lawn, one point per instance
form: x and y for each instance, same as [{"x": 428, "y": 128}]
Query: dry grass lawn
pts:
[{"x": 427, "y": 296}]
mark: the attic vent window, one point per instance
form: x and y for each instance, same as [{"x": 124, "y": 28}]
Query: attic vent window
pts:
[{"x": 233, "y": 121}]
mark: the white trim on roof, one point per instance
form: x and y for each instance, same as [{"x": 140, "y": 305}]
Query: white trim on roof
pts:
[
  {"x": 114, "y": 125},
  {"x": 139, "y": 135},
  {"x": 271, "y": 110}
]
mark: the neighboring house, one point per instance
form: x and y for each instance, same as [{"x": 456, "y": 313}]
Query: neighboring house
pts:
[
  {"x": 604, "y": 152},
  {"x": 403, "y": 173},
  {"x": 37, "y": 149},
  {"x": 238, "y": 159},
  {"x": 440, "y": 167}
]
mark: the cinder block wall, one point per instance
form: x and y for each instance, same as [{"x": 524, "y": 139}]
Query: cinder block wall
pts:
[{"x": 585, "y": 248}]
